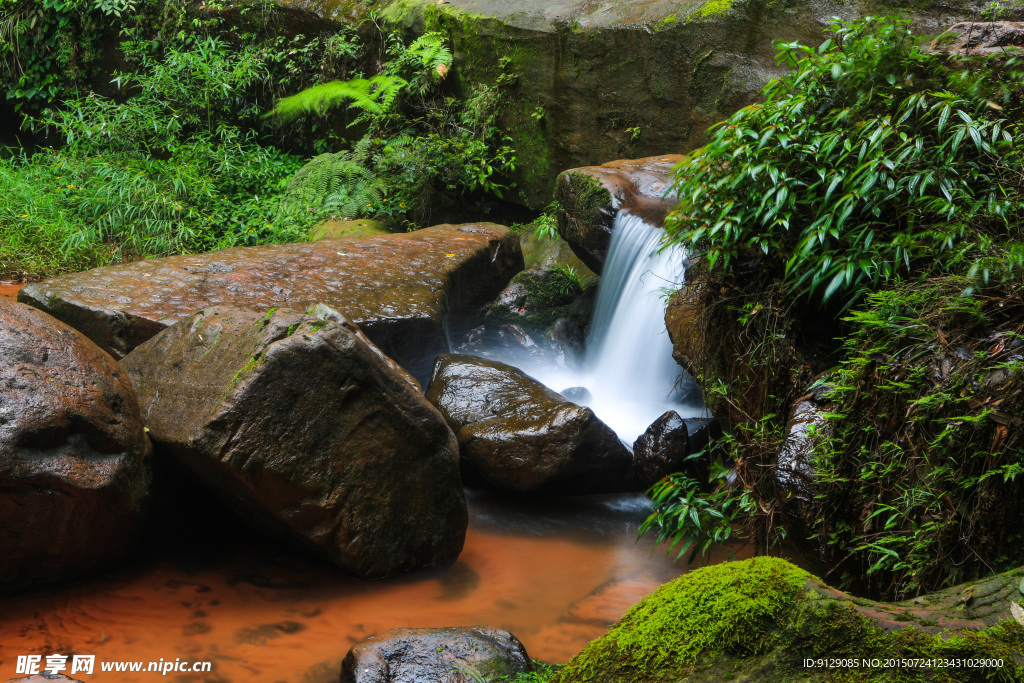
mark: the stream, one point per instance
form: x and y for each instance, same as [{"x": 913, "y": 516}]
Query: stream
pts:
[{"x": 555, "y": 572}]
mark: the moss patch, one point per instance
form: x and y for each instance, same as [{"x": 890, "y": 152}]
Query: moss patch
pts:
[
  {"x": 727, "y": 607},
  {"x": 760, "y": 619}
]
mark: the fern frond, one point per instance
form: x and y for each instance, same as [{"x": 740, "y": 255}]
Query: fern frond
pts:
[{"x": 371, "y": 95}]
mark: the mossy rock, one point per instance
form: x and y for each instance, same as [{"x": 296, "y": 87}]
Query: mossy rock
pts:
[
  {"x": 760, "y": 619},
  {"x": 360, "y": 227},
  {"x": 599, "y": 81}
]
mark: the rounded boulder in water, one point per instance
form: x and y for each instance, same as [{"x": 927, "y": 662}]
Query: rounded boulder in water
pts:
[
  {"x": 436, "y": 655},
  {"x": 517, "y": 435},
  {"x": 308, "y": 433},
  {"x": 75, "y": 461}
]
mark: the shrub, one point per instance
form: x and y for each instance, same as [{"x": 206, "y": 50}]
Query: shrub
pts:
[{"x": 871, "y": 159}]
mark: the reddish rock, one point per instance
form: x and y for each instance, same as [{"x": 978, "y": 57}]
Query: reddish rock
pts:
[
  {"x": 397, "y": 288},
  {"x": 74, "y": 456},
  {"x": 436, "y": 655},
  {"x": 517, "y": 435},
  {"x": 592, "y": 195},
  {"x": 300, "y": 426}
]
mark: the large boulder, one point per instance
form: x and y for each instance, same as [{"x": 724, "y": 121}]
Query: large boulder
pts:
[
  {"x": 765, "y": 619},
  {"x": 517, "y": 435},
  {"x": 301, "y": 427},
  {"x": 74, "y": 455},
  {"x": 436, "y": 655},
  {"x": 397, "y": 288},
  {"x": 594, "y": 81},
  {"x": 590, "y": 198}
]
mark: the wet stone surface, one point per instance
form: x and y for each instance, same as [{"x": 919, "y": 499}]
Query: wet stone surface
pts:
[
  {"x": 397, "y": 288},
  {"x": 305, "y": 432},
  {"x": 74, "y": 456}
]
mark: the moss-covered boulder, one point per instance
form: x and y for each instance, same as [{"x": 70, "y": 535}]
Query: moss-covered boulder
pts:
[
  {"x": 593, "y": 81},
  {"x": 762, "y": 619},
  {"x": 590, "y": 198}
]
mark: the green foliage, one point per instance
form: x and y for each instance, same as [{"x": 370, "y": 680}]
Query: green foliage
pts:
[
  {"x": 685, "y": 517},
  {"x": 871, "y": 159},
  {"x": 923, "y": 459},
  {"x": 165, "y": 172},
  {"x": 423, "y": 152}
]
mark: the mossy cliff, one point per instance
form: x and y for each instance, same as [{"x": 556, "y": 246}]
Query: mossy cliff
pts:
[
  {"x": 598, "y": 81},
  {"x": 762, "y": 618}
]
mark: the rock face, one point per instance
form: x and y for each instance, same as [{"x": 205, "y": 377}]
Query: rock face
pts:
[
  {"x": 794, "y": 469},
  {"x": 972, "y": 38},
  {"x": 606, "y": 80},
  {"x": 662, "y": 449},
  {"x": 591, "y": 197},
  {"x": 305, "y": 431},
  {"x": 335, "y": 230},
  {"x": 74, "y": 456},
  {"x": 517, "y": 435},
  {"x": 397, "y": 288},
  {"x": 436, "y": 655}
]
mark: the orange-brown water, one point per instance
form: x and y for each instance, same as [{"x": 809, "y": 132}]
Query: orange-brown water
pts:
[
  {"x": 555, "y": 573},
  {"x": 9, "y": 290}
]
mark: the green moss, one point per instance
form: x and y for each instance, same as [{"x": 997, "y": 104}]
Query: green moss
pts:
[
  {"x": 253, "y": 363},
  {"x": 760, "y": 619},
  {"x": 731, "y": 606},
  {"x": 714, "y": 7}
]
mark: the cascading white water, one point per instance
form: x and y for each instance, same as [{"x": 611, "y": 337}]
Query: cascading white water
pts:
[{"x": 629, "y": 369}]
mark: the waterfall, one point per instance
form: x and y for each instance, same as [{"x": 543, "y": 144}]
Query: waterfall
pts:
[
  {"x": 631, "y": 373},
  {"x": 629, "y": 370}
]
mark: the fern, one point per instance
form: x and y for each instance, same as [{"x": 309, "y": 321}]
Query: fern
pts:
[
  {"x": 339, "y": 184},
  {"x": 374, "y": 96}
]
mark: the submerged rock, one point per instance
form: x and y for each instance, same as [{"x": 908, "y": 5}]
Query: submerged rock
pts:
[
  {"x": 436, "y": 655},
  {"x": 591, "y": 196},
  {"x": 397, "y": 288},
  {"x": 517, "y": 435},
  {"x": 74, "y": 456},
  {"x": 301, "y": 427}
]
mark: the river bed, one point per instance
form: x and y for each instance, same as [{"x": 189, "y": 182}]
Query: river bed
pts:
[{"x": 555, "y": 572}]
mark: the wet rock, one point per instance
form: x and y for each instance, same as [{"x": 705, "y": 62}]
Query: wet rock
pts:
[
  {"x": 566, "y": 341},
  {"x": 551, "y": 252},
  {"x": 518, "y": 435},
  {"x": 436, "y": 655},
  {"x": 74, "y": 457},
  {"x": 581, "y": 396},
  {"x": 794, "y": 468},
  {"x": 701, "y": 431},
  {"x": 970, "y": 38},
  {"x": 662, "y": 449},
  {"x": 536, "y": 298},
  {"x": 591, "y": 196},
  {"x": 307, "y": 433},
  {"x": 397, "y": 288},
  {"x": 686, "y": 321}
]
